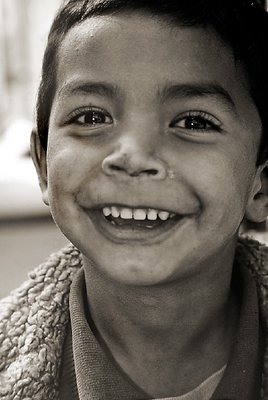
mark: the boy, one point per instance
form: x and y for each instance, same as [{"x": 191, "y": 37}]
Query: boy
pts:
[{"x": 150, "y": 149}]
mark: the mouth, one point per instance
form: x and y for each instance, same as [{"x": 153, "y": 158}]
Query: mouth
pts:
[{"x": 120, "y": 223}]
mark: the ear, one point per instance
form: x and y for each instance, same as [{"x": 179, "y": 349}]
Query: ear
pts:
[
  {"x": 257, "y": 207},
  {"x": 39, "y": 159}
]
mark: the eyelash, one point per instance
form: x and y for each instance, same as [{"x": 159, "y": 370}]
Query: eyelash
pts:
[
  {"x": 199, "y": 117},
  {"x": 98, "y": 112}
]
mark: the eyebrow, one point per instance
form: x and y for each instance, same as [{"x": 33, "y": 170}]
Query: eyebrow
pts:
[
  {"x": 169, "y": 92},
  {"x": 199, "y": 90},
  {"x": 96, "y": 88}
]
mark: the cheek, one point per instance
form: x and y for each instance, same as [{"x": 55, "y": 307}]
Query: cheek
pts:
[
  {"x": 221, "y": 180},
  {"x": 71, "y": 166}
]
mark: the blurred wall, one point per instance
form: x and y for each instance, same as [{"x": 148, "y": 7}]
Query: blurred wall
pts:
[
  {"x": 24, "y": 25},
  {"x": 27, "y": 232}
]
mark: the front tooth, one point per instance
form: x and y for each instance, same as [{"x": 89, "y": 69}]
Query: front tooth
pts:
[
  {"x": 139, "y": 214},
  {"x": 107, "y": 211},
  {"x": 163, "y": 215},
  {"x": 152, "y": 215},
  {"x": 126, "y": 213},
  {"x": 115, "y": 212}
]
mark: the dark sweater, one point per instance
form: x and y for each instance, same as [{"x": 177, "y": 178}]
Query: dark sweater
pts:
[{"x": 90, "y": 370}]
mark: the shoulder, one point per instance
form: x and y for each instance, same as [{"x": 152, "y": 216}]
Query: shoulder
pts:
[
  {"x": 253, "y": 254},
  {"x": 33, "y": 319},
  {"x": 46, "y": 285}
]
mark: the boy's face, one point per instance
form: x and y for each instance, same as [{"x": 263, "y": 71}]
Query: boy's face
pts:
[{"x": 149, "y": 117}]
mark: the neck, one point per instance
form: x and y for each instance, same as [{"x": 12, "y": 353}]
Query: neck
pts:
[{"x": 183, "y": 326}]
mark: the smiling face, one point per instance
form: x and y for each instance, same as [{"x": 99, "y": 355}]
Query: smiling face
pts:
[{"x": 153, "y": 140}]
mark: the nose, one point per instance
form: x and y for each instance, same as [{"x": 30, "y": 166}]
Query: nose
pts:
[{"x": 131, "y": 160}]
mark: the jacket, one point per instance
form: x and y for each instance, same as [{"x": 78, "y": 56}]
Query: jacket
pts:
[{"x": 34, "y": 319}]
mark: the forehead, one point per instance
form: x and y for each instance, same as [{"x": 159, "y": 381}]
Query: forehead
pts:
[{"x": 131, "y": 39}]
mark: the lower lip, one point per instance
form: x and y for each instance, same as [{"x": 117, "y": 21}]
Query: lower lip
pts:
[{"x": 122, "y": 234}]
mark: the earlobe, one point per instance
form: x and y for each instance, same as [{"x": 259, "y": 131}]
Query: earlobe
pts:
[
  {"x": 257, "y": 208},
  {"x": 39, "y": 159}
]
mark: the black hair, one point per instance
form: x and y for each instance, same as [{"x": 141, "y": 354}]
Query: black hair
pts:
[{"x": 242, "y": 24}]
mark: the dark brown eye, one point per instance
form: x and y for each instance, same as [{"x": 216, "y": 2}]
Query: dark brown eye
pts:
[
  {"x": 93, "y": 117},
  {"x": 196, "y": 121}
]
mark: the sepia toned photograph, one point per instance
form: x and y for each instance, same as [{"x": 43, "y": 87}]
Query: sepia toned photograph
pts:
[{"x": 134, "y": 200}]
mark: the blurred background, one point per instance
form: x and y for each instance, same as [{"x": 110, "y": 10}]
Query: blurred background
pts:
[{"x": 27, "y": 232}]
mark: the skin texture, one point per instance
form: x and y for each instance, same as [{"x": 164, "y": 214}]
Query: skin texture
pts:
[
  {"x": 142, "y": 153},
  {"x": 213, "y": 174}
]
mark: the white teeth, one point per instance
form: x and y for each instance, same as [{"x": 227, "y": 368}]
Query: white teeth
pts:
[
  {"x": 115, "y": 212},
  {"x": 152, "y": 215},
  {"x": 107, "y": 211},
  {"x": 126, "y": 213},
  {"x": 163, "y": 215},
  {"x": 139, "y": 214}
]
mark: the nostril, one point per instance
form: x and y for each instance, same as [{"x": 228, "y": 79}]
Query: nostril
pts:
[
  {"x": 116, "y": 168},
  {"x": 144, "y": 172},
  {"x": 151, "y": 171}
]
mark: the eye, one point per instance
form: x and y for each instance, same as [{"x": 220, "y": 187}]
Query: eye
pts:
[
  {"x": 90, "y": 117},
  {"x": 196, "y": 121}
]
